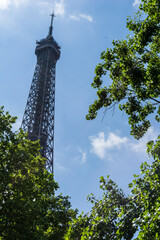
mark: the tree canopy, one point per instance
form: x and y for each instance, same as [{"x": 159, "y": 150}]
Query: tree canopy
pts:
[
  {"x": 133, "y": 65},
  {"x": 29, "y": 208},
  {"x": 117, "y": 216}
]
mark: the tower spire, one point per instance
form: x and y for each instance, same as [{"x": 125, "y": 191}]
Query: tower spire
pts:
[{"x": 51, "y": 26}]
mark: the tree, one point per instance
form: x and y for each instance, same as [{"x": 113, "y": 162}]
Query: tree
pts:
[
  {"x": 134, "y": 67},
  {"x": 116, "y": 216},
  {"x": 29, "y": 208},
  {"x": 103, "y": 221}
]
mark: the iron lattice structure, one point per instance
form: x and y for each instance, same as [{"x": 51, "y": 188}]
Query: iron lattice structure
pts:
[{"x": 38, "y": 119}]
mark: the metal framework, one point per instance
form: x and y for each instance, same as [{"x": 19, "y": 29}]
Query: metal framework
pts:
[{"x": 38, "y": 119}]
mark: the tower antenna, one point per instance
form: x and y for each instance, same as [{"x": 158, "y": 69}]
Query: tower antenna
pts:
[{"x": 51, "y": 26}]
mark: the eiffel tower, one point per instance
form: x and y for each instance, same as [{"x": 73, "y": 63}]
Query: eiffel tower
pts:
[{"x": 38, "y": 119}]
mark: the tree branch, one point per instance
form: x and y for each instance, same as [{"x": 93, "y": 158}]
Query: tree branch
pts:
[{"x": 155, "y": 100}]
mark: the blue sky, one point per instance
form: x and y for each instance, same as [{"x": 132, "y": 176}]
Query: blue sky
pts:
[{"x": 84, "y": 150}]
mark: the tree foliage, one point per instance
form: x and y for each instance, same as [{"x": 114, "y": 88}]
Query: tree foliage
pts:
[
  {"x": 116, "y": 216},
  {"x": 29, "y": 208},
  {"x": 134, "y": 68}
]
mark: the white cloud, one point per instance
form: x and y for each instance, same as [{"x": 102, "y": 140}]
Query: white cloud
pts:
[
  {"x": 140, "y": 146},
  {"x": 4, "y": 4},
  {"x": 81, "y": 16},
  {"x": 83, "y": 156},
  {"x": 136, "y": 3},
  {"x": 100, "y": 145},
  {"x": 18, "y": 3},
  {"x": 59, "y": 8},
  {"x": 45, "y": 7},
  {"x": 87, "y": 17},
  {"x": 74, "y": 17}
]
